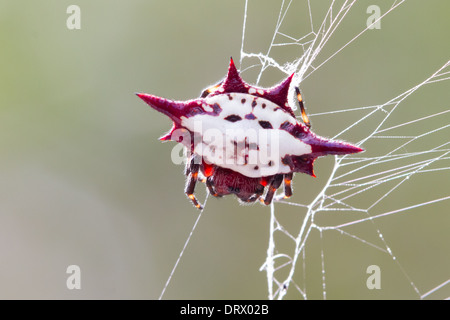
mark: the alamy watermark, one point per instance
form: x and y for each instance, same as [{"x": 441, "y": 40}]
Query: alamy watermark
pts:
[
  {"x": 229, "y": 147},
  {"x": 374, "y": 20},
  {"x": 73, "y": 21},
  {"x": 374, "y": 280},
  {"x": 74, "y": 279}
]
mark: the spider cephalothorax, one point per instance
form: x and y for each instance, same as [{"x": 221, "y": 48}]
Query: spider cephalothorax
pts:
[{"x": 243, "y": 139}]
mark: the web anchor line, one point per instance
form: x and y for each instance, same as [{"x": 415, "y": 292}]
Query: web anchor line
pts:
[{"x": 409, "y": 153}]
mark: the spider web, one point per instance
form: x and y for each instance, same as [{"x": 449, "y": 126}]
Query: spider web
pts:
[{"x": 365, "y": 200}]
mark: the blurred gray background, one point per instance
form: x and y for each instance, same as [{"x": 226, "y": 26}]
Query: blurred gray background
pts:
[{"x": 85, "y": 181}]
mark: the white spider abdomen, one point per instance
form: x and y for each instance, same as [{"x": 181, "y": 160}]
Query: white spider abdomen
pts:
[{"x": 245, "y": 136}]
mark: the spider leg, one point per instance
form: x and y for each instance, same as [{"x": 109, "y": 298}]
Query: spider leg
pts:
[
  {"x": 208, "y": 171},
  {"x": 274, "y": 185},
  {"x": 187, "y": 169},
  {"x": 209, "y": 90},
  {"x": 287, "y": 187},
  {"x": 191, "y": 181},
  {"x": 302, "y": 108},
  {"x": 211, "y": 188}
]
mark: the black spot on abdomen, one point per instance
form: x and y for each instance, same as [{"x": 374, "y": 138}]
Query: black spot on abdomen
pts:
[
  {"x": 233, "y": 118},
  {"x": 265, "y": 124}
]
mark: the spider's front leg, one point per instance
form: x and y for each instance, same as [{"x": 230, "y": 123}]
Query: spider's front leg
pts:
[{"x": 192, "y": 172}]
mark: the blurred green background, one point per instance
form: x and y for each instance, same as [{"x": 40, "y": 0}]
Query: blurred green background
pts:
[{"x": 85, "y": 181}]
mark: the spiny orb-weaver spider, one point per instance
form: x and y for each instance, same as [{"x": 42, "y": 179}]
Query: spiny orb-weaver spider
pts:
[{"x": 243, "y": 138}]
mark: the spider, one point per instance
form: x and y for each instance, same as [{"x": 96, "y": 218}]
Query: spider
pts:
[{"x": 229, "y": 130}]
